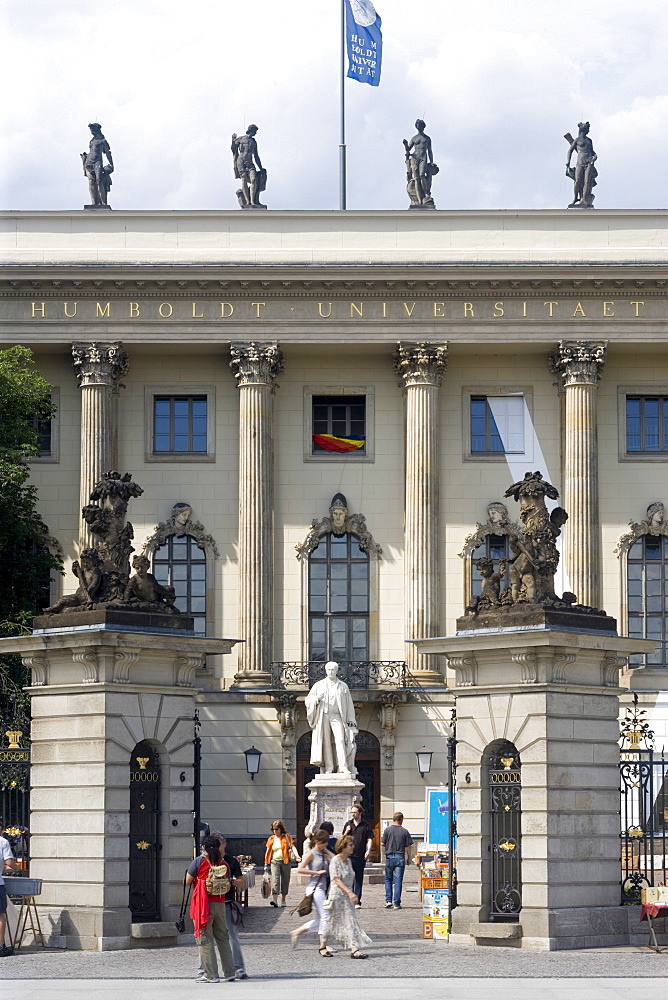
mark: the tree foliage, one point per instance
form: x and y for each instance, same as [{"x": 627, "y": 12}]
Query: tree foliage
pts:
[{"x": 26, "y": 560}]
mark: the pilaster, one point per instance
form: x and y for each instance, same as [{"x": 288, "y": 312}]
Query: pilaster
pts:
[
  {"x": 579, "y": 365},
  {"x": 99, "y": 368},
  {"x": 420, "y": 368},
  {"x": 255, "y": 367}
]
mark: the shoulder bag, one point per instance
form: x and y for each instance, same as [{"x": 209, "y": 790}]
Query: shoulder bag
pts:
[
  {"x": 180, "y": 924},
  {"x": 304, "y": 907}
]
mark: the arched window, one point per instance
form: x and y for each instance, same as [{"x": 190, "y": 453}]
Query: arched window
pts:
[
  {"x": 647, "y": 583},
  {"x": 489, "y": 541},
  {"x": 182, "y": 554},
  {"x": 181, "y": 563},
  {"x": 338, "y": 599}
]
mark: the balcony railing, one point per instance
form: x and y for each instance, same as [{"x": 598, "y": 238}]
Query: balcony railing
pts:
[{"x": 359, "y": 675}]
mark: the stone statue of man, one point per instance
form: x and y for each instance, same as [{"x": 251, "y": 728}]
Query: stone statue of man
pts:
[
  {"x": 248, "y": 168},
  {"x": 98, "y": 174},
  {"x": 420, "y": 167},
  {"x": 585, "y": 173},
  {"x": 331, "y": 716}
]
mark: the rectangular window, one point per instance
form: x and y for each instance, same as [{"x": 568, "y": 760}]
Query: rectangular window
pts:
[
  {"x": 646, "y": 424},
  {"x": 338, "y": 425},
  {"x": 497, "y": 425},
  {"x": 179, "y": 425},
  {"x": 44, "y": 429}
]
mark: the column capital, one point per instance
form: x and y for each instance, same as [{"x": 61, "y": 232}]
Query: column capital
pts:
[
  {"x": 578, "y": 362},
  {"x": 256, "y": 364},
  {"x": 99, "y": 363},
  {"x": 420, "y": 364}
]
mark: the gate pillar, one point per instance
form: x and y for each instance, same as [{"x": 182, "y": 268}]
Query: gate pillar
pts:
[
  {"x": 554, "y": 696},
  {"x": 97, "y": 692}
]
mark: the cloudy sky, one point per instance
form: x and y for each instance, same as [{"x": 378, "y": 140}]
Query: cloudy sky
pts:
[{"x": 497, "y": 81}]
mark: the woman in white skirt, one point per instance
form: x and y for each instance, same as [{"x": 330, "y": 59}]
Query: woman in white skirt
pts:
[
  {"x": 343, "y": 927},
  {"x": 315, "y": 863}
]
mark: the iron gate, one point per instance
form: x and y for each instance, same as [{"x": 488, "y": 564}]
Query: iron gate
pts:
[
  {"x": 144, "y": 832},
  {"x": 644, "y": 807},
  {"x": 505, "y": 798},
  {"x": 15, "y": 795}
]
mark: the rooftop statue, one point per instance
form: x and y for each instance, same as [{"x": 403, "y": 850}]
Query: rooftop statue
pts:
[
  {"x": 248, "y": 168},
  {"x": 531, "y": 570},
  {"x": 584, "y": 173},
  {"x": 97, "y": 172},
  {"x": 420, "y": 168},
  {"x": 103, "y": 572}
]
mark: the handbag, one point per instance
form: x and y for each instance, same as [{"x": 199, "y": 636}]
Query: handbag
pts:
[
  {"x": 294, "y": 853},
  {"x": 180, "y": 924},
  {"x": 266, "y": 887},
  {"x": 236, "y": 913},
  {"x": 304, "y": 907}
]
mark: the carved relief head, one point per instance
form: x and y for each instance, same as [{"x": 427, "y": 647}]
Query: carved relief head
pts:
[
  {"x": 181, "y": 514},
  {"x": 140, "y": 565},
  {"x": 656, "y": 514},
  {"x": 338, "y": 513},
  {"x": 497, "y": 513}
]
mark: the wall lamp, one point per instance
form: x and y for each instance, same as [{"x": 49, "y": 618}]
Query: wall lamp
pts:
[
  {"x": 252, "y": 761},
  {"x": 424, "y": 761}
]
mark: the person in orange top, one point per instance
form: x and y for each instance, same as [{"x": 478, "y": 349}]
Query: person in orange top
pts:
[{"x": 280, "y": 851}]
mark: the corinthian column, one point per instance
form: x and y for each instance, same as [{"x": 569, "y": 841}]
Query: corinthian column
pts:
[
  {"x": 99, "y": 369},
  {"x": 420, "y": 368},
  {"x": 255, "y": 368},
  {"x": 578, "y": 364}
]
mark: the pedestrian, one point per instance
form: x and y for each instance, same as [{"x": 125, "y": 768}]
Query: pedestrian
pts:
[
  {"x": 231, "y": 904},
  {"x": 397, "y": 844},
  {"x": 6, "y": 862},
  {"x": 362, "y": 835},
  {"x": 213, "y": 880},
  {"x": 329, "y": 827},
  {"x": 280, "y": 850},
  {"x": 343, "y": 926},
  {"x": 315, "y": 863}
]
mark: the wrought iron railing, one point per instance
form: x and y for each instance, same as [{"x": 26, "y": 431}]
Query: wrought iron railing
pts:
[
  {"x": 359, "y": 675},
  {"x": 644, "y": 807}
]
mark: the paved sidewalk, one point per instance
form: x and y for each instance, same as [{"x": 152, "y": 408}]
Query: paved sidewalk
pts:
[
  {"x": 400, "y": 964},
  {"x": 307, "y": 988}
]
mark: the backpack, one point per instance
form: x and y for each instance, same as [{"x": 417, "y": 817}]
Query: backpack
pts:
[{"x": 218, "y": 880}]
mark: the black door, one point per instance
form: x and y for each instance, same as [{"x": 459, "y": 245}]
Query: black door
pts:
[{"x": 144, "y": 826}]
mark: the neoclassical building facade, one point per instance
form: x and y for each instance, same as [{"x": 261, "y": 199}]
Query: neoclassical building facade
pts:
[{"x": 324, "y": 411}]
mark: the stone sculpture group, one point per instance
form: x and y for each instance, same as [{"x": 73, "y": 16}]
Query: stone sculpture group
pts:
[
  {"x": 418, "y": 155},
  {"x": 531, "y": 570},
  {"x": 103, "y": 572}
]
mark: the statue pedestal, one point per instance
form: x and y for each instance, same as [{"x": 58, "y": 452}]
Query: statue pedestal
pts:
[
  {"x": 98, "y": 691},
  {"x": 97, "y": 208},
  {"x": 538, "y": 850},
  {"x": 332, "y": 796}
]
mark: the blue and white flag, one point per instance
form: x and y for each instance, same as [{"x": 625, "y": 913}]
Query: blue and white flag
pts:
[{"x": 364, "y": 40}]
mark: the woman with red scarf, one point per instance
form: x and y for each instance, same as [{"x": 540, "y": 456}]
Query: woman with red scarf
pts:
[{"x": 208, "y": 915}]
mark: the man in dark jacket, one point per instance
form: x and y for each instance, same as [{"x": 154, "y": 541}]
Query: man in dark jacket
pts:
[{"x": 362, "y": 835}]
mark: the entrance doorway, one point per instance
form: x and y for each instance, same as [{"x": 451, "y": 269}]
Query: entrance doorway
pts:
[
  {"x": 367, "y": 762},
  {"x": 144, "y": 828}
]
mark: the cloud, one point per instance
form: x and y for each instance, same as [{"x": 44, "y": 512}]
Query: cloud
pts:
[{"x": 497, "y": 83}]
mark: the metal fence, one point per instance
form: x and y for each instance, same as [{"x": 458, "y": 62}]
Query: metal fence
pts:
[
  {"x": 358, "y": 674},
  {"x": 644, "y": 807}
]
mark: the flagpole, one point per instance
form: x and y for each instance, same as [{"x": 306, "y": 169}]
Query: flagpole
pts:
[{"x": 342, "y": 142}]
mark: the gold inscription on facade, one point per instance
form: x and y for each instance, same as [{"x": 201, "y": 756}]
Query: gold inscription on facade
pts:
[{"x": 418, "y": 310}]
